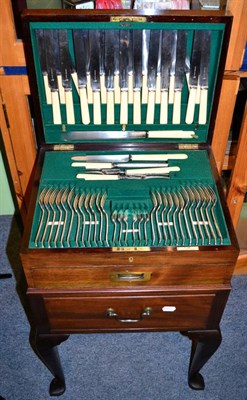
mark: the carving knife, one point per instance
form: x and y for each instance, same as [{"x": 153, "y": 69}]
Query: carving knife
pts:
[
  {"x": 117, "y": 92},
  {"x": 94, "y": 67},
  {"x": 109, "y": 165},
  {"x": 166, "y": 43},
  {"x": 153, "y": 56},
  {"x": 193, "y": 76},
  {"x": 145, "y": 49},
  {"x": 109, "y": 74},
  {"x": 42, "y": 58},
  {"x": 203, "y": 80},
  {"x": 137, "y": 78},
  {"x": 65, "y": 63},
  {"x": 124, "y": 42},
  {"x": 172, "y": 70},
  {"x": 179, "y": 75},
  {"x": 80, "y": 37},
  {"x": 109, "y": 135},
  {"x": 116, "y": 158},
  {"x": 52, "y": 62}
]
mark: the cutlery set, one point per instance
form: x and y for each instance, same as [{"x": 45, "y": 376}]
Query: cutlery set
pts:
[
  {"x": 125, "y": 76},
  {"x": 178, "y": 216}
]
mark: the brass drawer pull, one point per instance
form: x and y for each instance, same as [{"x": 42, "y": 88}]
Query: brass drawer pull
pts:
[
  {"x": 131, "y": 276},
  {"x": 110, "y": 312}
]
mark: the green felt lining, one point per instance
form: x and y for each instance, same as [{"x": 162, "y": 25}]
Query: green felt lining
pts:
[
  {"x": 53, "y": 133},
  {"x": 125, "y": 196}
]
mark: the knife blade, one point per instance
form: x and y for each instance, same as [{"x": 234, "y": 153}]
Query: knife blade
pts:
[
  {"x": 52, "y": 62},
  {"x": 153, "y": 56},
  {"x": 117, "y": 91},
  {"x": 65, "y": 63},
  {"x": 102, "y": 158},
  {"x": 102, "y": 135},
  {"x": 42, "y": 58},
  {"x": 179, "y": 75},
  {"x": 166, "y": 58},
  {"x": 172, "y": 69},
  {"x": 94, "y": 67},
  {"x": 203, "y": 80},
  {"x": 80, "y": 39},
  {"x": 137, "y": 74},
  {"x": 123, "y": 74},
  {"x": 145, "y": 50},
  {"x": 109, "y": 74},
  {"x": 194, "y": 75}
]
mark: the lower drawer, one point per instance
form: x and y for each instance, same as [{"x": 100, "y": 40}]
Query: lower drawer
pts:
[{"x": 74, "y": 313}]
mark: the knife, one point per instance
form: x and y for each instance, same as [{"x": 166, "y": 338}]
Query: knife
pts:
[
  {"x": 158, "y": 77},
  {"x": 130, "y": 69},
  {"x": 65, "y": 62},
  {"x": 113, "y": 158},
  {"x": 94, "y": 67},
  {"x": 109, "y": 135},
  {"x": 80, "y": 37},
  {"x": 109, "y": 74},
  {"x": 102, "y": 67},
  {"x": 179, "y": 75},
  {"x": 137, "y": 78},
  {"x": 166, "y": 45},
  {"x": 109, "y": 165},
  {"x": 52, "y": 62},
  {"x": 203, "y": 80},
  {"x": 194, "y": 75},
  {"x": 42, "y": 59},
  {"x": 152, "y": 73},
  {"x": 123, "y": 74}
]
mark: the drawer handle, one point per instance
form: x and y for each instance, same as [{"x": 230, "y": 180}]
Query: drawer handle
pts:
[
  {"x": 111, "y": 313},
  {"x": 131, "y": 276}
]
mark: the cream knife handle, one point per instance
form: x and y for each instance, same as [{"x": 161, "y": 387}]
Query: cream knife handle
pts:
[
  {"x": 110, "y": 118},
  {"x": 158, "y": 157},
  {"x": 61, "y": 89},
  {"x": 143, "y": 171},
  {"x": 102, "y": 89},
  {"x": 137, "y": 107},
  {"x": 47, "y": 89},
  {"x": 189, "y": 119},
  {"x": 96, "y": 108},
  {"x": 150, "y": 107},
  {"x": 124, "y": 107},
  {"x": 56, "y": 113},
  {"x": 70, "y": 115},
  {"x": 89, "y": 90},
  {"x": 164, "y": 107},
  {"x": 171, "y": 89},
  {"x": 203, "y": 107},
  {"x": 176, "y": 117},
  {"x": 97, "y": 177},
  {"x": 158, "y": 89},
  {"x": 144, "y": 89},
  {"x": 117, "y": 91},
  {"x": 84, "y": 106},
  {"x": 130, "y": 88},
  {"x": 75, "y": 80}
]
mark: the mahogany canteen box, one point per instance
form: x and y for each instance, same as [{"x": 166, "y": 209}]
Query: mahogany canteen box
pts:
[{"x": 127, "y": 228}]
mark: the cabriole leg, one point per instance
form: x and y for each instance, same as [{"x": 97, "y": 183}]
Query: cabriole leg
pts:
[
  {"x": 45, "y": 346},
  {"x": 204, "y": 345}
]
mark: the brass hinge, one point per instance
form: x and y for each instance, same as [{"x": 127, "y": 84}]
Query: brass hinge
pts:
[
  {"x": 63, "y": 147},
  {"x": 188, "y": 146}
]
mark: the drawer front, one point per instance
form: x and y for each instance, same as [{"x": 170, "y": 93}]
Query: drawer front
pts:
[
  {"x": 127, "y": 276},
  {"x": 166, "y": 312}
]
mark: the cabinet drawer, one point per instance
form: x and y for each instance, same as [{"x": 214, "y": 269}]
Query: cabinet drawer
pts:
[
  {"x": 58, "y": 277},
  {"x": 73, "y": 313}
]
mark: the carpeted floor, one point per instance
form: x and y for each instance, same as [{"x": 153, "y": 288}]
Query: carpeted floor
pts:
[{"x": 137, "y": 366}]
